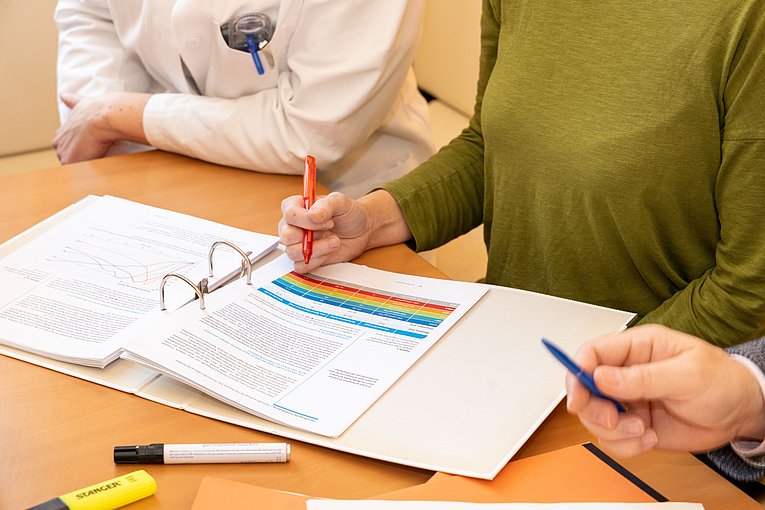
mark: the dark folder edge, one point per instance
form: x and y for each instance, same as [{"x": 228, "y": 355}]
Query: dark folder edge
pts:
[{"x": 625, "y": 472}]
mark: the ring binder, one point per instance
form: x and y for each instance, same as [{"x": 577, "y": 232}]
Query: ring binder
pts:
[{"x": 203, "y": 287}]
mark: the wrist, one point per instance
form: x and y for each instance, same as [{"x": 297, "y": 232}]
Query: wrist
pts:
[
  {"x": 385, "y": 220},
  {"x": 122, "y": 115},
  {"x": 752, "y": 391}
]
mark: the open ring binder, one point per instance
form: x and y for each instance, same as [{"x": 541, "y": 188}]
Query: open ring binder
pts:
[{"x": 203, "y": 287}]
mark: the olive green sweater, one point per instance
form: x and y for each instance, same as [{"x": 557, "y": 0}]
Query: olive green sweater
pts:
[{"x": 616, "y": 156}]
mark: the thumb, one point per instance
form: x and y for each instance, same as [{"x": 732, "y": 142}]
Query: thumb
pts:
[
  {"x": 648, "y": 381},
  {"x": 331, "y": 206}
]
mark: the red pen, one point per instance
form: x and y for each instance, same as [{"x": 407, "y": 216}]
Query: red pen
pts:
[{"x": 309, "y": 195}]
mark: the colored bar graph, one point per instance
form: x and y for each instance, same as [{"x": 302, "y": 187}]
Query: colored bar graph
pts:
[{"x": 345, "y": 297}]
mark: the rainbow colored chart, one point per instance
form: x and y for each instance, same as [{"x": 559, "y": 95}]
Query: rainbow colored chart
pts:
[{"x": 387, "y": 310}]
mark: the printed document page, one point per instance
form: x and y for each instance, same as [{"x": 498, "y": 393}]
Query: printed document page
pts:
[
  {"x": 308, "y": 351},
  {"x": 333, "y": 504},
  {"x": 68, "y": 292}
]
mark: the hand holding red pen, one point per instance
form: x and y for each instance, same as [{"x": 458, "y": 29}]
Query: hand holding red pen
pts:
[
  {"x": 341, "y": 228},
  {"x": 326, "y": 230}
]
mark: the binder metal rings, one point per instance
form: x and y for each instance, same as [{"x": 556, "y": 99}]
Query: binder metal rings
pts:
[
  {"x": 202, "y": 288},
  {"x": 246, "y": 262}
]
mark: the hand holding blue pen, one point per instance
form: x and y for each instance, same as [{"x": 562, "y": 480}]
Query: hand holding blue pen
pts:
[{"x": 583, "y": 377}]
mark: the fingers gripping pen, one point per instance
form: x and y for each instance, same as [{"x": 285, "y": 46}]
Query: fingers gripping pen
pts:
[{"x": 584, "y": 377}]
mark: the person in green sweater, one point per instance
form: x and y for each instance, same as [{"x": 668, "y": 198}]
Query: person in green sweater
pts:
[{"x": 616, "y": 156}]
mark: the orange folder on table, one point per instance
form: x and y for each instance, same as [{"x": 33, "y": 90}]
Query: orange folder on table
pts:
[
  {"x": 581, "y": 473},
  {"x": 217, "y": 493}
]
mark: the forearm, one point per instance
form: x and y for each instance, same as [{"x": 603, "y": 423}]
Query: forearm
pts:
[
  {"x": 97, "y": 125},
  {"x": 123, "y": 115},
  {"x": 726, "y": 304},
  {"x": 444, "y": 197},
  {"x": 722, "y": 317}
]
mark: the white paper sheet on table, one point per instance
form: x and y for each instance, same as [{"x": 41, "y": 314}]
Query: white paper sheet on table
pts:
[{"x": 331, "y": 504}]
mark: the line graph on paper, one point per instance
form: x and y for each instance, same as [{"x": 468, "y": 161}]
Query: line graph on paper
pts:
[{"x": 124, "y": 259}]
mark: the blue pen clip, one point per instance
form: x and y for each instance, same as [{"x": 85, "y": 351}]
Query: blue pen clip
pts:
[
  {"x": 584, "y": 377},
  {"x": 254, "y": 52}
]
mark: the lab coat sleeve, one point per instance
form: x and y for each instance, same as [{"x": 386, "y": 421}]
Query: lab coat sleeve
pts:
[
  {"x": 346, "y": 63},
  {"x": 91, "y": 59}
]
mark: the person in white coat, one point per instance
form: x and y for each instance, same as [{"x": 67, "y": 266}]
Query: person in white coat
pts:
[{"x": 251, "y": 84}]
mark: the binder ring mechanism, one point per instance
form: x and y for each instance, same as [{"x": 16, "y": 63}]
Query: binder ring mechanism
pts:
[{"x": 203, "y": 287}]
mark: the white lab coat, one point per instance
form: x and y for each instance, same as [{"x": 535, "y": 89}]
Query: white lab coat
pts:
[{"x": 338, "y": 82}]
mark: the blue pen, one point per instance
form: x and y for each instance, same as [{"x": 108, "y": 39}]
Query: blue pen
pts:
[{"x": 584, "y": 377}]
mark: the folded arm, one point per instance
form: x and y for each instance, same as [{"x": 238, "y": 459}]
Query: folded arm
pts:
[{"x": 727, "y": 304}]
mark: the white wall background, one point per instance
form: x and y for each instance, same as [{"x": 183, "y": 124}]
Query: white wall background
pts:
[{"x": 28, "y": 115}]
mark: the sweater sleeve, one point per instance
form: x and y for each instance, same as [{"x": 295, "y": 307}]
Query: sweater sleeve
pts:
[
  {"x": 727, "y": 304},
  {"x": 442, "y": 198},
  {"x": 725, "y": 459}
]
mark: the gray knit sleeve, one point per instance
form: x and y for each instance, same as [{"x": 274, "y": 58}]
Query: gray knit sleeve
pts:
[{"x": 725, "y": 459}]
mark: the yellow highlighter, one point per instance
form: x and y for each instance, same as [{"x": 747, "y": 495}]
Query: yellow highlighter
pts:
[{"x": 106, "y": 495}]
